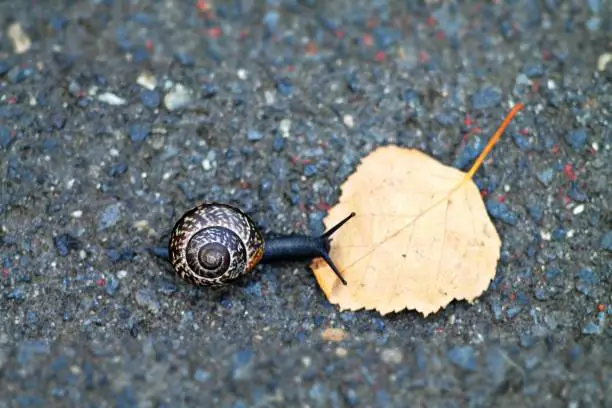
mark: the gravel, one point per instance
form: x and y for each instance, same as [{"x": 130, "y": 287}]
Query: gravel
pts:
[{"x": 116, "y": 119}]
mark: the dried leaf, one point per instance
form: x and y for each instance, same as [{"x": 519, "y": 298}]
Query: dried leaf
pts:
[{"x": 421, "y": 237}]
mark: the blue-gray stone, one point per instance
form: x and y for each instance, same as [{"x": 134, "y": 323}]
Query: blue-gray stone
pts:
[
  {"x": 546, "y": 176},
  {"x": 576, "y": 138},
  {"x": 486, "y": 97},
  {"x": 606, "y": 241},
  {"x": 254, "y": 135},
  {"x": 501, "y": 211},
  {"x": 463, "y": 356},
  {"x": 139, "y": 131},
  {"x": 110, "y": 216}
]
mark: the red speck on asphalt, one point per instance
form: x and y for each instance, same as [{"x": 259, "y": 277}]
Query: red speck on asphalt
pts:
[
  {"x": 203, "y": 5},
  {"x": 149, "y": 44},
  {"x": 467, "y": 121},
  {"x": 340, "y": 34},
  {"x": 524, "y": 131},
  {"x": 5, "y": 272},
  {"x": 323, "y": 206},
  {"x": 214, "y": 32},
  {"x": 431, "y": 21},
  {"x": 423, "y": 56},
  {"x": 12, "y": 100},
  {"x": 569, "y": 172},
  {"x": 380, "y": 55},
  {"x": 101, "y": 282},
  {"x": 368, "y": 40},
  {"x": 501, "y": 198},
  {"x": 311, "y": 48}
]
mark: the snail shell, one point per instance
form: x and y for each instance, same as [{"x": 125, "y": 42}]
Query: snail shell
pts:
[{"x": 214, "y": 243}]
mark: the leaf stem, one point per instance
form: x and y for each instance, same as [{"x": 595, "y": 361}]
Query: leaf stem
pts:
[{"x": 515, "y": 109}]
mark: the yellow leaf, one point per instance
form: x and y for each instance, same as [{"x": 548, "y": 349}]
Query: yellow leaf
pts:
[{"x": 421, "y": 237}]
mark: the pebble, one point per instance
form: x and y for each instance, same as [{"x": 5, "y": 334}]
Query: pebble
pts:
[
  {"x": 111, "y": 287},
  {"x": 270, "y": 21},
  {"x": 201, "y": 376},
  {"x": 118, "y": 255},
  {"x": 546, "y": 176},
  {"x": 209, "y": 90},
  {"x": 469, "y": 152},
  {"x": 591, "y": 328},
  {"x": 602, "y": 61},
  {"x": 284, "y": 86},
  {"x": 166, "y": 288},
  {"x": 139, "y": 131},
  {"x": 501, "y": 211},
  {"x": 606, "y": 241},
  {"x": 487, "y": 97},
  {"x": 21, "y": 41},
  {"x": 579, "y": 209},
  {"x": 5, "y": 67},
  {"x": 348, "y": 120},
  {"x": 533, "y": 70},
  {"x": 285, "y": 127},
  {"x": 310, "y": 170},
  {"x": 254, "y": 135},
  {"x": 5, "y": 136},
  {"x": 392, "y": 356},
  {"x": 242, "y": 363},
  {"x": 521, "y": 141},
  {"x": 178, "y": 98},
  {"x": 576, "y": 194},
  {"x": 28, "y": 349},
  {"x": 111, "y": 99},
  {"x": 463, "y": 357},
  {"x": 279, "y": 143},
  {"x": 185, "y": 59},
  {"x": 19, "y": 74},
  {"x": 593, "y": 24},
  {"x": 118, "y": 169},
  {"x": 587, "y": 280},
  {"x": 147, "y": 80},
  {"x": 64, "y": 243},
  {"x": 576, "y": 139},
  {"x": 558, "y": 234},
  {"x": 594, "y": 5},
  {"x": 513, "y": 312},
  {"x": 496, "y": 362},
  {"x": 109, "y": 216},
  {"x": 150, "y": 98},
  {"x": 147, "y": 299},
  {"x": 536, "y": 212}
]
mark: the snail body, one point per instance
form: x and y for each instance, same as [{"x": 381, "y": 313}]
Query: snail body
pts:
[{"x": 213, "y": 244}]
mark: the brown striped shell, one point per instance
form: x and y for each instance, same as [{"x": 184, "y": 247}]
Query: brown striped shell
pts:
[{"x": 214, "y": 243}]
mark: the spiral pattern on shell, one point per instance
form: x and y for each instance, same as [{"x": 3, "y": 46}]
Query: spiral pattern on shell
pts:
[{"x": 214, "y": 243}]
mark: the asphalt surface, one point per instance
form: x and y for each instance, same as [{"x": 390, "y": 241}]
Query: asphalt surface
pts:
[{"x": 119, "y": 116}]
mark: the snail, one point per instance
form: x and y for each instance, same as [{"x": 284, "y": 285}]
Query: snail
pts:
[{"x": 214, "y": 243}]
